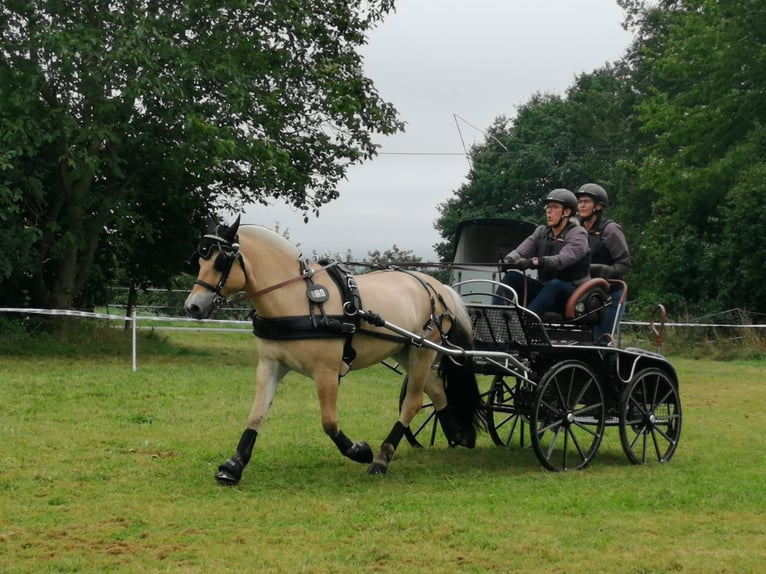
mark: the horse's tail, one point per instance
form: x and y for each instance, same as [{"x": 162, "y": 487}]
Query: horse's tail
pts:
[{"x": 461, "y": 386}]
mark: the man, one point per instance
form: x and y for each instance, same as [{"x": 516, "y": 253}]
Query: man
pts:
[
  {"x": 609, "y": 255},
  {"x": 558, "y": 250}
]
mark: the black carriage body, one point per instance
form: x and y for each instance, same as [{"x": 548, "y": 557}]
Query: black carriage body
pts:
[
  {"x": 520, "y": 333},
  {"x": 565, "y": 391},
  {"x": 551, "y": 384}
]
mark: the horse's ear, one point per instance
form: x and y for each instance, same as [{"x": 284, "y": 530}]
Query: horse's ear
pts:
[{"x": 230, "y": 233}]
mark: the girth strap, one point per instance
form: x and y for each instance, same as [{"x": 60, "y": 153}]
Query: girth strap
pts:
[{"x": 299, "y": 327}]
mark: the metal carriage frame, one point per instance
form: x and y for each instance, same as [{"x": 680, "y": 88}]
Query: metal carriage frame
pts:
[
  {"x": 560, "y": 395},
  {"x": 552, "y": 387}
]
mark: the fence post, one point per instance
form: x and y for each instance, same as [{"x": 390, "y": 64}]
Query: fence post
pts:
[{"x": 133, "y": 319}]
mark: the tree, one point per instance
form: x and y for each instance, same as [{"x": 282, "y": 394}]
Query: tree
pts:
[
  {"x": 125, "y": 119},
  {"x": 704, "y": 116}
]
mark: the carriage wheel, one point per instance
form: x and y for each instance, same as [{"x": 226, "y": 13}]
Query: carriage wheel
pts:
[
  {"x": 425, "y": 424},
  {"x": 650, "y": 417},
  {"x": 568, "y": 416},
  {"x": 504, "y": 420}
]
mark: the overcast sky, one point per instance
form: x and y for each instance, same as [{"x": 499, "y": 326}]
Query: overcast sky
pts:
[{"x": 435, "y": 60}]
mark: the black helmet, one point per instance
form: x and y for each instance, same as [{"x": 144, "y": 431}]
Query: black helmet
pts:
[
  {"x": 564, "y": 197},
  {"x": 594, "y": 191}
]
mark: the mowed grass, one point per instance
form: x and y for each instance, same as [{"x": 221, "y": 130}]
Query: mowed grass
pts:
[{"x": 106, "y": 470}]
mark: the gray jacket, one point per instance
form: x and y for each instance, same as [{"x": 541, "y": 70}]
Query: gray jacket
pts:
[{"x": 563, "y": 256}]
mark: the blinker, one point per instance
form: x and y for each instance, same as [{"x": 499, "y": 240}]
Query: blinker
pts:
[{"x": 221, "y": 262}]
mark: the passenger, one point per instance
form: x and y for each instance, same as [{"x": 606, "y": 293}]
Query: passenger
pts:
[
  {"x": 609, "y": 254},
  {"x": 558, "y": 251}
]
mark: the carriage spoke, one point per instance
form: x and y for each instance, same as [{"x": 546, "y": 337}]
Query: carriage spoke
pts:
[
  {"x": 570, "y": 402},
  {"x": 554, "y": 440},
  {"x": 585, "y": 428},
  {"x": 576, "y": 443},
  {"x": 504, "y": 420},
  {"x": 650, "y": 418}
]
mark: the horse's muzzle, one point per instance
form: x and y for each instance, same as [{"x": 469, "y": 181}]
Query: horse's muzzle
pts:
[{"x": 199, "y": 305}]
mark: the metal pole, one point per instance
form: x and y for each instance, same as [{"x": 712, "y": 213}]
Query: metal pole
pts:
[{"x": 133, "y": 318}]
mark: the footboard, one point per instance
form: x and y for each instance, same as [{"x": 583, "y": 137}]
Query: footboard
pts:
[{"x": 507, "y": 328}]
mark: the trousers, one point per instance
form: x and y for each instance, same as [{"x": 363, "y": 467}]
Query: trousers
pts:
[{"x": 536, "y": 296}]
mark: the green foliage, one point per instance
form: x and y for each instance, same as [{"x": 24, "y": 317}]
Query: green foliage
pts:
[
  {"x": 124, "y": 126},
  {"x": 741, "y": 281},
  {"x": 707, "y": 146}
]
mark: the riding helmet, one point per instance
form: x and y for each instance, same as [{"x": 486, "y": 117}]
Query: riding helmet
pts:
[
  {"x": 594, "y": 191},
  {"x": 564, "y": 197}
]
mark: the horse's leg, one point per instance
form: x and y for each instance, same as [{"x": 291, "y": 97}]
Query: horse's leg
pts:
[
  {"x": 418, "y": 371},
  {"x": 326, "y": 382},
  {"x": 268, "y": 375},
  {"x": 435, "y": 390}
]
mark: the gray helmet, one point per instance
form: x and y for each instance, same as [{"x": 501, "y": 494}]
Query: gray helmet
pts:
[
  {"x": 564, "y": 197},
  {"x": 594, "y": 191}
]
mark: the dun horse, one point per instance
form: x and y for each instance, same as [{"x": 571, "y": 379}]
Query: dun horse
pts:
[{"x": 318, "y": 320}]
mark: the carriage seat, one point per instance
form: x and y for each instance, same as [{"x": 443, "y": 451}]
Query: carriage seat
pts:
[{"x": 585, "y": 306}]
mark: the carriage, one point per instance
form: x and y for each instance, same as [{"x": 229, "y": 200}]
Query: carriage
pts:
[{"x": 557, "y": 382}]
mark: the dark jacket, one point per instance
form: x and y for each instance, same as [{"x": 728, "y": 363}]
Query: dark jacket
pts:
[{"x": 609, "y": 255}]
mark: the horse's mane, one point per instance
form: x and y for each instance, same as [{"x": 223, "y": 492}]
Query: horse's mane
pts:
[{"x": 270, "y": 237}]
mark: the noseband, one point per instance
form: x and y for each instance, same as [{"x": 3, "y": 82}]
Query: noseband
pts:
[{"x": 228, "y": 252}]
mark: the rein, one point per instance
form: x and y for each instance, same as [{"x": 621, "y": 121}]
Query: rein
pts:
[{"x": 305, "y": 275}]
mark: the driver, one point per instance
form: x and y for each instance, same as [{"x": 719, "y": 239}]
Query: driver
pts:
[{"x": 558, "y": 251}]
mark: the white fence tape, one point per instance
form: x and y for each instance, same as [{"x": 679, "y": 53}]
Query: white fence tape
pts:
[{"x": 135, "y": 320}]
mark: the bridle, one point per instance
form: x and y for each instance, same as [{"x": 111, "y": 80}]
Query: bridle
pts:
[{"x": 228, "y": 253}]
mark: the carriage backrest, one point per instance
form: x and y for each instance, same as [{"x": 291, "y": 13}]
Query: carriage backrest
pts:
[{"x": 587, "y": 304}]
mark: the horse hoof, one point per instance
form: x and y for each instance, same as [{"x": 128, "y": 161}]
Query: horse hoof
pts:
[
  {"x": 465, "y": 440},
  {"x": 225, "y": 478},
  {"x": 376, "y": 468},
  {"x": 360, "y": 452},
  {"x": 230, "y": 472}
]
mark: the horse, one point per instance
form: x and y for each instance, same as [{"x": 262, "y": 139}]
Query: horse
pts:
[{"x": 324, "y": 330}]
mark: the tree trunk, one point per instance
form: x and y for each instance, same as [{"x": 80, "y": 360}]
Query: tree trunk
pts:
[{"x": 132, "y": 297}]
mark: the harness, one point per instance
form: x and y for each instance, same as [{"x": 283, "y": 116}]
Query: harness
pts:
[{"x": 317, "y": 324}]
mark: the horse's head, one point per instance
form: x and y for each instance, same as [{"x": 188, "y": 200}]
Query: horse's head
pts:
[{"x": 221, "y": 271}]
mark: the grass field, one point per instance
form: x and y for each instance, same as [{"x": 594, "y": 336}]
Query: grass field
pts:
[{"x": 106, "y": 470}]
